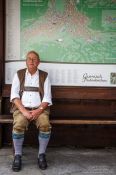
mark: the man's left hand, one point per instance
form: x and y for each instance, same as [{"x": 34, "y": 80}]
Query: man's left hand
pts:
[{"x": 35, "y": 113}]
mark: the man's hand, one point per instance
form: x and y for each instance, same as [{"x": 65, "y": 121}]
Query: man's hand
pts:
[
  {"x": 35, "y": 113},
  {"x": 27, "y": 114},
  {"x": 22, "y": 109}
]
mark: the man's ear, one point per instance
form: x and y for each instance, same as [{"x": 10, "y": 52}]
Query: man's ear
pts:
[{"x": 38, "y": 63}]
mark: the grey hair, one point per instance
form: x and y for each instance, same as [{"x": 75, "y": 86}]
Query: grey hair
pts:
[{"x": 34, "y": 52}]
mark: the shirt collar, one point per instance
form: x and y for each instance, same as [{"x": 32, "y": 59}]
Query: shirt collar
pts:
[{"x": 28, "y": 73}]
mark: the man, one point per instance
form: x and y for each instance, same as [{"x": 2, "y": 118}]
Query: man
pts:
[{"x": 31, "y": 97}]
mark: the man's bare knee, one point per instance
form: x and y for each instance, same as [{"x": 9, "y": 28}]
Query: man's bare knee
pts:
[{"x": 45, "y": 128}]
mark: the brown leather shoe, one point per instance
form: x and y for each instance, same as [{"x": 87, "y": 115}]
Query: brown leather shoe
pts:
[
  {"x": 17, "y": 163},
  {"x": 42, "y": 163}
]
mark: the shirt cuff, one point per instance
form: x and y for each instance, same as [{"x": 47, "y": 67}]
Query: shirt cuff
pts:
[
  {"x": 14, "y": 96},
  {"x": 48, "y": 101}
]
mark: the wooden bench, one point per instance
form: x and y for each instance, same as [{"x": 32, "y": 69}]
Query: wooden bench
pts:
[
  {"x": 84, "y": 106},
  {"x": 7, "y": 119}
]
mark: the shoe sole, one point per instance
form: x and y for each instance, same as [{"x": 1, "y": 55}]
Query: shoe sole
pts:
[
  {"x": 42, "y": 168},
  {"x": 15, "y": 169}
]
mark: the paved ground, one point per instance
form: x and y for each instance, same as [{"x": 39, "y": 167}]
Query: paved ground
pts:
[{"x": 63, "y": 161}]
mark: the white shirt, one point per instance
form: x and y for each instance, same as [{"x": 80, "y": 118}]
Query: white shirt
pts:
[{"x": 31, "y": 99}]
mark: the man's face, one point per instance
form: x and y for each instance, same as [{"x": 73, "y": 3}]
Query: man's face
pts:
[{"x": 32, "y": 61}]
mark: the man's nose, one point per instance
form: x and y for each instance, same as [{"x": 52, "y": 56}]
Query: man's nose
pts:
[{"x": 32, "y": 60}]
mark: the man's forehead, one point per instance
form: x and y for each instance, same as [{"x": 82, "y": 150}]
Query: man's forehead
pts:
[{"x": 32, "y": 55}]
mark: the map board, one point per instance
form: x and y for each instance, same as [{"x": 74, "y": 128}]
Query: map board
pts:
[
  {"x": 69, "y": 31},
  {"x": 76, "y": 40}
]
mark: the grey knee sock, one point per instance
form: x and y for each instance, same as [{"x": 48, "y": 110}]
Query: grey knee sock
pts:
[
  {"x": 43, "y": 141},
  {"x": 18, "y": 143}
]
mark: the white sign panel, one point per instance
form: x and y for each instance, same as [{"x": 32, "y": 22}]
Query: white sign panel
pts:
[{"x": 71, "y": 74}]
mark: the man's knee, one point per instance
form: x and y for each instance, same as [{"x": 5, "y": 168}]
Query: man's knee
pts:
[
  {"x": 19, "y": 125},
  {"x": 43, "y": 122},
  {"x": 45, "y": 128}
]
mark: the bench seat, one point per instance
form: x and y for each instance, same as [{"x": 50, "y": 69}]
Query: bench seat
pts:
[{"x": 9, "y": 119}]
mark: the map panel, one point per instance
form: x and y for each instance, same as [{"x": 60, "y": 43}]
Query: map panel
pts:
[{"x": 69, "y": 31}]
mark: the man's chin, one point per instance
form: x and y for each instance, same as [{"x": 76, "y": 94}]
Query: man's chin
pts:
[{"x": 31, "y": 67}]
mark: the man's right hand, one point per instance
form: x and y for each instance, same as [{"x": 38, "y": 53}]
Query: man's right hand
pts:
[
  {"x": 27, "y": 114},
  {"x": 22, "y": 109}
]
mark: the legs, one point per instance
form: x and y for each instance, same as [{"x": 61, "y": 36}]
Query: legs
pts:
[
  {"x": 44, "y": 135},
  {"x": 43, "y": 142},
  {"x": 19, "y": 125}
]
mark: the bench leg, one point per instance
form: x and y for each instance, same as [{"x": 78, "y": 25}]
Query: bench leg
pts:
[
  {"x": 0, "y": 135},
  {"x": 0, "y": 123}
]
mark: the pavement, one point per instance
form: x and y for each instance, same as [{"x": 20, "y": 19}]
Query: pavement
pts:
[{"x": 62, "y": 161}]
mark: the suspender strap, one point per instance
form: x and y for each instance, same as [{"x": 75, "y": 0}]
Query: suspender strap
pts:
[
  {"x": 42, "y": 78},
  {"x": 32, "y": 89}
]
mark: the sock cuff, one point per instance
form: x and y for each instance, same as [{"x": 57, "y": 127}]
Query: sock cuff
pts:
[
  {"x": 17, "y": 136},
  {"x": 44, "y": 135}
]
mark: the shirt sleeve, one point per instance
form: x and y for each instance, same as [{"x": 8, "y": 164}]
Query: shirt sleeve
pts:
[
  {"x": 47, "y": 92},
  {"x": 15, "y": 88}
]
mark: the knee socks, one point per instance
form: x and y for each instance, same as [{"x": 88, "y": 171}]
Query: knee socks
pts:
[
  {"x": 18, "y": 140},
  {"x": 43, "y": 138},
  {"x": 18, "y": 143}
]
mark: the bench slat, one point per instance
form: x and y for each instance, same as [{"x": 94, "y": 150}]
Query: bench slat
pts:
[
  {"x": 82, "y": 122},
  {"x": 9, "y": 119},
  {"x": 6, "y": 119},
  {"x": 70, "y": 122}
]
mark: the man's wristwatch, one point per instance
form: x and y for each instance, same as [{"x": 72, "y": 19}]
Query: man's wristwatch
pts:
[{"x": 41, "y": 108}]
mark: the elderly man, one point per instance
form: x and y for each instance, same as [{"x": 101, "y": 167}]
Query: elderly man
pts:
[{"x": 31, "y": 98}]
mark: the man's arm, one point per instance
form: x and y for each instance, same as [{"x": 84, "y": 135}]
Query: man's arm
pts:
[
  {"x": 21, "y": 108},
  {"x": 47, "y": 92},
  {"x": 46, "y": 99},
  {"x": 15, "y": 97},
  {"x": 43, "y": 106}
]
